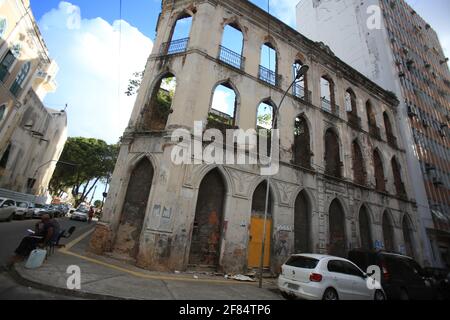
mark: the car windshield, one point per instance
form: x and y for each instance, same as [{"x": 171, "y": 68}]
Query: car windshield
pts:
[
  {"x": 23, "y": 205},
  {"x": 302, "y": 262}
]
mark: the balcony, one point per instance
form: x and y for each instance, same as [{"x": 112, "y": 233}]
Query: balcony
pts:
[
  {"x": 268, "y": 76},
  {"x": 375, "y": 132},
  {"x": 329, "y": 107},
  {"x": 354, "y": 121},
  {"x": 174, "y": 47},
  {"x": 231, "y": 58},
  {"x": 300, "y": 92}
]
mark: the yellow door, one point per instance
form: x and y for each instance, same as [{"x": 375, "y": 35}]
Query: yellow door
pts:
[{"x": 255, "y": 243}]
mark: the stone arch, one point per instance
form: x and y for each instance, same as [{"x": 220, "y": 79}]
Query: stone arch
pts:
[
  {"x": 208, "y": 221},
  {"x": 301, "y": 87},
  {"x": 337, "y": 238},
  {"x": 200, "y": 173},
  {"x": 408, "y": 235},
  {"x": 388, "y": 231},
  {"x": 328, "y": 93},
  {"x": 302, "y": 223},
  {"x": 235, "y": 22},
  {"x": 302, "y": 152},
  {"x": 358, "y": 164},
  {"x": 351, "y": 103},
  {"x": 365, "y": 230},
  {"x": 177, "y": 16},
  {"x": 379, "y": 170},
  {"x": 134, "y": 208},
  {"x": 155, "y": 114},
  {"x": 332, "y": 156},
  {"x": 237, "y": 105}
]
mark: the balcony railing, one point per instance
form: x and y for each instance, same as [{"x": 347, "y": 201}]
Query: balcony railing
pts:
[
  {"x": 354, "y": 120},
  {"x": 268, "y": 76},
  {"x": 302, "y": 93},
  {"x": 375, "y": 132},
  {"x": 232, "y": 58},
  {"x": 392, "y": 141},
  {"x": 173, "y": 47},
  {"x": 328, "y": 107}
]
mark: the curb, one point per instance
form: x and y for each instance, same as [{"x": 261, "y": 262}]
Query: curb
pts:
[{"x": 12, "y": 271}]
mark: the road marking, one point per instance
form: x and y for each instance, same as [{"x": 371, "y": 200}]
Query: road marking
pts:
[{"x": 135, "y": 273}]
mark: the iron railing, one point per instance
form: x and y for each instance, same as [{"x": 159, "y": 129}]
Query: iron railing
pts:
[
  {"x": 232, "y": 58},
  {"x": 268, "y": 76},
  {"x": 173, "y": 47},
  {"x": 301, "y": 92},
  {"x": 329, "y": 107}
]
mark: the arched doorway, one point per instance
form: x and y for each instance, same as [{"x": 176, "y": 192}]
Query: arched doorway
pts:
[
  {"x": 365, "y": 233},
  {"x": 134, "y": 207},
  {"x": 337, "y": 240},
  {"x": 408, "y": 236},
  {"x": 388, "y": 232},
  {"x": 302, "y": 224},
  {"x": 207, "y": 231},
  {"x": 257, "y": 228}
]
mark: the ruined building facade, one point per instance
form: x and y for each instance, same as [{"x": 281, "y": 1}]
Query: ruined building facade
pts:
[{"x": 341, "y": 184}]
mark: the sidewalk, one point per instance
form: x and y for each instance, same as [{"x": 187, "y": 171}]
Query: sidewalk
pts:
[{"x": 104, "y": 278}]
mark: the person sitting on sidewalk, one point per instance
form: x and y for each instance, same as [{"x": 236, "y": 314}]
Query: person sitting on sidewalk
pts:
[{"x": 46, "y": 233}]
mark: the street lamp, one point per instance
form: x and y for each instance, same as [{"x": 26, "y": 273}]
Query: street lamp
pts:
[{"x": 300, "y": 73}]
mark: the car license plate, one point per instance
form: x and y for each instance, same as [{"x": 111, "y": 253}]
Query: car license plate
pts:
[{"x": 293, "y": 286}]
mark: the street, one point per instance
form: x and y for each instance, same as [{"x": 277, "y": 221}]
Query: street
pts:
[{"x": 11, "y": 233}]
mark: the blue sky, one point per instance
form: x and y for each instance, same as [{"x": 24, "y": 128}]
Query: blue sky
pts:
[{"x": 83, "y": 37}]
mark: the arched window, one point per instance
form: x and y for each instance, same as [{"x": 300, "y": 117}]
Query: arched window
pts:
[
  {"x": 352, "y": 108},
  {"x": 5, "y": 157},
  {"x": 232, "y": 46},
  {"x": 302, "y": 224},
  {"x": 257, "y": 227},
  {"x": 222, "y": 115},
  {"x": 302, "y": 141},
  {"x": 380, "y": 180},
  {"x": 365, "y": 233},
  {"x": 268, "y": 69},
  {"x": 327, "y": 94},
  {"x": 359, "y": 170},
  {"x": 333, "y": 162},
  {"x": 180, "y": 35},
  {"x": 392, "y": 140},
  {"x": 373, "y": 129},
  {"x": 20, "y": 79},
  {"x": 207, "y": 233},
  {"x": 408, "y": 236},
  {"x": 388, "y": 232},
  {"x": 156, "y": 112},
  {"x": 396, "y": 172},
  {"x": 300, "y": 88},
  {"x": 2, "y": 112},
  {"x": 6, "y": 64},
  {"x": 337, "y": 239},
  {"x": 264, "y": 125}
]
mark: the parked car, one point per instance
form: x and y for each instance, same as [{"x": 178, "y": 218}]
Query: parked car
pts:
[
  {"x": 80, "y": 214},
  {"x": 402, "y": 278},
  {"x": 7, "y": 209},
  {"x": 23, "y": 210},
  {"x": 38, "y": 210},
  {"x": 441, "y": 281},
  {"x": 322, "y": 277}
]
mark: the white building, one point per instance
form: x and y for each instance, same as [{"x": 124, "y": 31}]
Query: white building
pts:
[{"x": 391, "y": 45}]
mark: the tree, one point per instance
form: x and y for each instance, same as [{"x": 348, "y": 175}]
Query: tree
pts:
[
  {"x": 134, "y": 83},
  {"x": 98, "y": 204},
  {"x": 94, "y": 161}
]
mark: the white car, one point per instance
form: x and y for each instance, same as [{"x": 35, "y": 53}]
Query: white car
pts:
[
  {"x": 322, "y": 277},
  {"x": 23, "y": 210},
  {"x": 7, "y": 209},
  {"x": 81, "y": 214}
]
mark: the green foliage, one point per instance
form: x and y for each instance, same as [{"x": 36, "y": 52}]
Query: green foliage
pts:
[
  {"x": 134, "y": 83},
  {"x": 97, "y": 204},
  {"x": 94, "y": 160}
]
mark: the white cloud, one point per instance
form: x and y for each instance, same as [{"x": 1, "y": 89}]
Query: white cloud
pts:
[
  {"x": 221, "y": 101},
  {"x": 285, "y": 10},
  {"x": 87, "y": 52}
]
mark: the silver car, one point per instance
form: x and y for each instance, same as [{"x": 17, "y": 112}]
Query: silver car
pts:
[
  {"x": 23, "y": 211},
  {"x": 7, "y": 209}
]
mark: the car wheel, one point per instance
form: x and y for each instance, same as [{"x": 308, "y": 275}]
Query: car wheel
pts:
[
  {"x": 404, "y": 295},
  {"x": 330, "y": 294},
  {"x": 287, "y": 296},
  {"x": 379, "y": 296}
]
